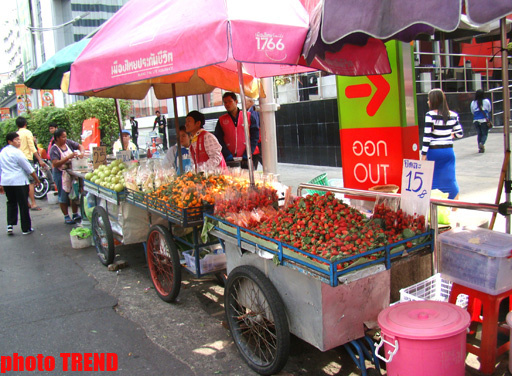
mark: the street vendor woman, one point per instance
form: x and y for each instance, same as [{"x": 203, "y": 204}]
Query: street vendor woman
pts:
[
  {"x": 61, "y": 153},
  {"x": 204, "y": 147}
]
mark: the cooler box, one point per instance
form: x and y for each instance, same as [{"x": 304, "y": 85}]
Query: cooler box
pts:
[{"x": 477, "y": 258}]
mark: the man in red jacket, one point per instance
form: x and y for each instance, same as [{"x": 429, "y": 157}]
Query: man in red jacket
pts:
[{"x": 230, "y": 131}]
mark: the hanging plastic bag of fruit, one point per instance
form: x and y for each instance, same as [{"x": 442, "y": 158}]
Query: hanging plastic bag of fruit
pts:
[{"x": 392, "y": 203}]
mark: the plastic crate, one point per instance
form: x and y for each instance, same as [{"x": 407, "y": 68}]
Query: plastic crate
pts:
[
  {"x": 477, "y": 258},
  {"x": 319, "y": 180},
  {"x": 214, "y": 261},
  {"x": 433, "y": 288}
]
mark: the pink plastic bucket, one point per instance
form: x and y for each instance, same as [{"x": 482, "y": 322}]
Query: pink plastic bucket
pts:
[{"x": 424, "y": 338}]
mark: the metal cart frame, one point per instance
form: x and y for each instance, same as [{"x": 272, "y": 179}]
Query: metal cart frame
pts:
[
  {"x": 274, "y": 289},
  {"x": 164, "y": 222}
]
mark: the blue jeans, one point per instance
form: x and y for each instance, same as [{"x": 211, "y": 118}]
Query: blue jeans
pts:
[{"x": 482, "y": 130}]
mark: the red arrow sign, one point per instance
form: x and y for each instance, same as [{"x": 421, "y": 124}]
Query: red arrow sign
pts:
[{"x": 365, "y": 90}]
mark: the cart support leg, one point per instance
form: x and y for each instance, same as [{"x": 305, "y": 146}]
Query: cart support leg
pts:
[{"x": 362, "y": 353}]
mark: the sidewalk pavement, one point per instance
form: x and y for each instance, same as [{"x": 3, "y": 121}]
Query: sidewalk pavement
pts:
[{"x": 477, "y": 174}]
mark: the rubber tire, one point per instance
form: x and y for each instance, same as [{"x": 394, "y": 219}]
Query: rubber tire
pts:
[
  {"x": 41, "y": 190},
  {"x": 277, "y": 309},
  {"x": 106, "y": 252},
  {"x": 165, "y": 267}
]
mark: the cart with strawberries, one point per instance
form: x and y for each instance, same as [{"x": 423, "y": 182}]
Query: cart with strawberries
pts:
[{"x": 318, "y": 269}]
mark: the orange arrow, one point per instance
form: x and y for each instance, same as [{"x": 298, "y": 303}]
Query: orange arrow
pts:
[{"x": 364, "y": 90}]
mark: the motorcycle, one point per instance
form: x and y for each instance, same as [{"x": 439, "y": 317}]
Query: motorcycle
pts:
[{"x": 45, "y": 177}]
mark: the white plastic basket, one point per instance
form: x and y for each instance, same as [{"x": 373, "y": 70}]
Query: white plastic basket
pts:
[{"x": 433, "y": 288}]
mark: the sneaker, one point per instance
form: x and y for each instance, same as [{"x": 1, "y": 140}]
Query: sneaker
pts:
[
  {"x": 10, "y": 230},
  {"x": 68, "y": 220},
  {"x": 77, "y": 217},
  {"x": 30, "y": 231}
]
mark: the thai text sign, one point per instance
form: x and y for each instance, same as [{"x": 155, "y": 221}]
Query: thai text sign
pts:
[{"x": 416, "y": 186}]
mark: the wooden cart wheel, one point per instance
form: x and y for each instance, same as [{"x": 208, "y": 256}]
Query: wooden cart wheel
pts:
[
  {"x": 164, "y": 263},
  {"x": 257, "y": 320},
  {"x": 103, "y": 236}
]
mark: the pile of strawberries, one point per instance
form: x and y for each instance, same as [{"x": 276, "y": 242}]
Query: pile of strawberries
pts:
[{"x": 327, "y": 227}]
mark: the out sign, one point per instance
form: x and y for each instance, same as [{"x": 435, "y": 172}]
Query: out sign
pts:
[{"x": 416, "y": 186}]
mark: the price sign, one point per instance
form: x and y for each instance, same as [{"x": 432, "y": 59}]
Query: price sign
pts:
[
  {"x": 124, "y": 155},
  {"x": 416, "y": 186},
  {"x": 99, "y": 156}
]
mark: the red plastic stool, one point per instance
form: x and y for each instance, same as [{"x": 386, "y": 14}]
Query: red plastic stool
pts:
[{"x": 488, "y": 350}]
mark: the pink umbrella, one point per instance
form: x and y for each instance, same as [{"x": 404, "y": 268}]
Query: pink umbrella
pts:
[
  {"x": 152, "y": 38},
  {"x": 147, "y": 39}
]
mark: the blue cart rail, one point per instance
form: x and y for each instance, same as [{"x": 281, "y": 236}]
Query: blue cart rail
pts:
[{"x": 288, "y": 255}]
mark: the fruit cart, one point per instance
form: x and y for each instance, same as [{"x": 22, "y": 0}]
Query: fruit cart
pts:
[
  {"x": 131, "y": 217},
  {"x": 161, "y": 246},
  {"x": 274, "y": 289}
]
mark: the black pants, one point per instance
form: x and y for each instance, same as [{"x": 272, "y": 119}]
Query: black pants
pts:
[{"x": 17, "y": 197}]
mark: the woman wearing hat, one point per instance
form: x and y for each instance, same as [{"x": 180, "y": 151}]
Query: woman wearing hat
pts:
[{"x": 127, "y": 143}]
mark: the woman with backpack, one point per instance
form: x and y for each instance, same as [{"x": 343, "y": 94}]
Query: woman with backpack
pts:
[{"x": 481, "y": 110}]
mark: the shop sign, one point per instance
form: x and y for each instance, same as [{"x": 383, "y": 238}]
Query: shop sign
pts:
[
  {"x": 47, "y": 98},
  {"x": 5, "y": 113},
  {"x": 23, "y": 98},
  {"x": 99, "y": 156}
]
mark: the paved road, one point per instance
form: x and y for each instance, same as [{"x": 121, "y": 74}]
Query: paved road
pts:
[{"x": 55, "y": 299}]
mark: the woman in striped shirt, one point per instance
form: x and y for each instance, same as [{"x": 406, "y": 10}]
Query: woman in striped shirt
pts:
[{"x": 441, "y": 126}]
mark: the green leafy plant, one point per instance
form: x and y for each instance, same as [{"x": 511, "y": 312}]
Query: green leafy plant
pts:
[{"x": 71, "y": 119}]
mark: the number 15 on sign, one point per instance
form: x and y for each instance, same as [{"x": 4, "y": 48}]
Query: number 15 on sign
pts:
[{"x": 416, "y": 186}]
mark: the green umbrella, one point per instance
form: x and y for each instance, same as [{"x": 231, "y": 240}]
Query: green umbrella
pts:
[{"x": 49, "y": 74}]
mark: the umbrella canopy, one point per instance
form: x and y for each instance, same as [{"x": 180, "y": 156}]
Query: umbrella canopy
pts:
[
  {"x": 49, "y": 74},
  {"x": 147, "y": 39},
  {"x": 193, "y": 82},
  {"x": 402, "y": 20}
]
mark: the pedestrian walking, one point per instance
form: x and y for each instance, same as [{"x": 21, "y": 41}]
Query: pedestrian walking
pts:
[
  {"x": 135, "y": 130},
  {"x": 481, "y": 110},
  {"x": 28, "y": 148},
  {"x": 14, "y": 171},
  {"x": 441, "y": 126},
  {"x": 161, "y": 123}
]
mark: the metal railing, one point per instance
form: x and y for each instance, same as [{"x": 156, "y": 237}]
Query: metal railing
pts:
[{"x": 461, "y": 78}]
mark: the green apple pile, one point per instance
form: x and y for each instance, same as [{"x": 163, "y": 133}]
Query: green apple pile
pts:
[{"x": 109, "y": 176}]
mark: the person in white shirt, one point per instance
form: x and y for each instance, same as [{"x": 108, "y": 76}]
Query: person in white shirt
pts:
[{"x": 14, "y": 171}]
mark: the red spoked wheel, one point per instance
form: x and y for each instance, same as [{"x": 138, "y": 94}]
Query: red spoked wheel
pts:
[{"x": 164, "y": 263}]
